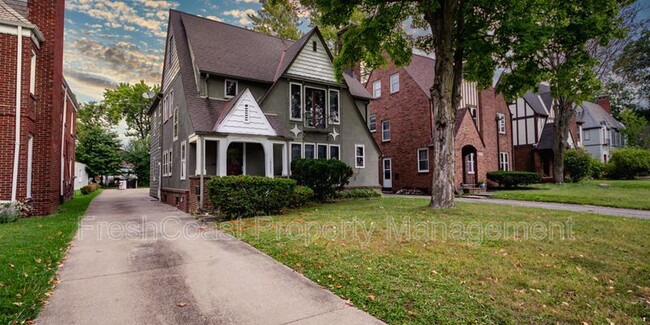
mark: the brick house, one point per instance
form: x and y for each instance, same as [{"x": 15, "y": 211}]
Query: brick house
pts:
[
  {"x": 37, "y": 108},
  {"x": 401, "y": 123},
  {"x": 235, "y": 101}
]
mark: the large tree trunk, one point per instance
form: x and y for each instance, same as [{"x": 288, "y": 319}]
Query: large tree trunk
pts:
[
  {"x": 444, "y": 110},
  {"x": 563, "y": 110}
]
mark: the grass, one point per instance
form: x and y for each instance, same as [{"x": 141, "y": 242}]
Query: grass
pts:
[
  {"x": 30, "y": 251},
  {"x": 467, "y": 265},
  {"x": 621, "y": 194}
]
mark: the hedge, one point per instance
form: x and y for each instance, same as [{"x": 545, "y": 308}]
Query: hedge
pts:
[
  {"x": 577, "y": 165},
  {"x": 628, "y": 163},
  {"x": 325, "y": 177},
  {"x": 357, "y": 193},
  {"x": 514, "y": 179},
  {"x": 301, "y": 196},
  {"x": 247, "y": 196}
]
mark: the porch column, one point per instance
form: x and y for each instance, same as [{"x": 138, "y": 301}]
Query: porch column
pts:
[
  {"x": 268, "y": 158},
  {"x": 285, "y": 160},
  {"x": 222, "y": 149},
  {"x": 199, "y": 150}
]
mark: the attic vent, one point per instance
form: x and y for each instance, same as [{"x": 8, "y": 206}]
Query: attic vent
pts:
[
  {"x": 314, "y": 46},
  {"x": 246, "y": 114}
]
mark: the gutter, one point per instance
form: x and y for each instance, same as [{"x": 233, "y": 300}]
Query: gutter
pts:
[
  {"x": 19, "y": 77},
  {"x": 63, "y": 120}
]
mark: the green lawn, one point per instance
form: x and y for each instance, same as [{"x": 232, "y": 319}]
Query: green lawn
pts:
[
  {"x": 473, "y": 264},
  {"x": 30, "y": 251},
  {"x": 621, "y": 194}
]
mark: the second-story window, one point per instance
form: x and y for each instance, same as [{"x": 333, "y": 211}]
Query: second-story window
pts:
[
  {"x": 334, "y": 111},
  {"x": 372, "y": 123},
  {"x": 230, "y": 88},
  {"x": 315, "y": 108},
  {"x": 32, "y": 75},
  {"x": 385, "y": 130},
  {"x": 501, "y": 119},
  {"x": 376, "y": 89},
  {"x": 394, "y": 83},
  {"x": 295, "y": 94},
  {"x": 175, "y": 130}
]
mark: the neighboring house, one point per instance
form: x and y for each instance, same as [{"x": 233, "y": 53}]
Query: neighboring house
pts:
[
  {"x": 401, "y": 122},
  {"x": 37, "y": 108},
  {"x": 601, "y": 133},
  {"x": 81, "y": 175},
  {"x": 235, "y": 101}
]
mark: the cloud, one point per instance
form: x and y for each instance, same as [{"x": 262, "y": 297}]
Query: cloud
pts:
[
  {"x": 119, "y": 14},
  {"x": 241, "y": 14},
  {"x": 89, "y": 79},
  {"x": 248, "y": 1},
  {"x": 214, "y": 18}
]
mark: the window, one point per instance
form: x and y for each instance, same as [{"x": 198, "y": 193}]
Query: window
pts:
[
  {"x": 504, "y": 161},
  {"x": 315, "y": 108},
  {"x": 175, "y": 129},
  {"x": 501, "y": 120},
  {"x": 183, "y": 160},
  {"x": 334, "y": 114},
  {"x": 164, "y": 163},
  {"x": 322, "y": 151},
  {"x": 246, "y": 114},
  {"x": 296, "y": 151},
  {"x": 335, "y": 152},
  {"x": 230, "y": 88},
  {"x": 587, "y": 135},
  {"x": 470, "y": 163},
  {"x": 32, "y": 75},
  {"x": 310, "y": 149},
  {"x": 372, "y": 124},
  {"x": 376, "y": 89},
  {"x": 167, "y": 105},
  {"x": 295, "y": 109},
  {"x": 359, "y": 156},
  {"x": 314, "y": 46},
  {"x": 394, "y": 83},
  {"x": 423, "y": 160},
  {"x": 385, "y": 131},
  {"x": 474, "y": 113},
  {"x": 171, "y": 162}
]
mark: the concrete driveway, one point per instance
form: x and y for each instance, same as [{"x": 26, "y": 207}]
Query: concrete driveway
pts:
[{"x": 137, "y": 261}]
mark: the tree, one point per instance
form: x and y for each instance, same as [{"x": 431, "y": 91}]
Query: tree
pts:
[
  {"x": 93, "y": 113},
  {"x": 563, "y": 60},
  {"x": 131, "y": 103},
  {"x": 99, "y": 150},
  {"x": 137, "y": 153},
  {"x": 635, "y": 130},
  {"x": 621, "y": 97},
  {"x": 278, "y": 18},
  {"x": 634, "y": 65},
  {"x": 466, "y": 37}
]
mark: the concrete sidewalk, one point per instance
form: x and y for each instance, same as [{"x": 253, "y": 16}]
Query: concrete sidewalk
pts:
[
  {"x": 617, "y": 212},
  {"x": 137, "y": 261}
]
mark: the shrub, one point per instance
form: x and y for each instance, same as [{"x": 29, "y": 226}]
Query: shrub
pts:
[
  {"x": 357, "y": 193},
  {"x": 301, "y": 196},
  {"x": 628, "y": 163},
  {"x": 8, "y": 213},
  {"x": 577, "y": 165},
  {"x": 247, "y": 196},
  {"x": 322, "y": 176},
  {"x": 597, "y": 169},
  {"x": 514, "y": 179},
  {"x": 92, "y": 187}
]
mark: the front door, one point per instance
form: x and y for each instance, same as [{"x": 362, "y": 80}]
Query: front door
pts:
[{"x": 388, "y": 173}]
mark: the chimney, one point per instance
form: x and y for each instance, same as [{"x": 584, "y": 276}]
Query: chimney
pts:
[{"x": 603, "y": 101}]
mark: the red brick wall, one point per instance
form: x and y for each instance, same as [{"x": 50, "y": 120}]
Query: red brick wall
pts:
[
  {"x": 176, "y": 198},
  {"x": 194, "y": 196},
  {"x": 491, "y": 104}
]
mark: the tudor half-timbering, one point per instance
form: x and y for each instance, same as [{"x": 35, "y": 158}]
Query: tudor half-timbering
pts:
[{"x": 235, "y": 101}]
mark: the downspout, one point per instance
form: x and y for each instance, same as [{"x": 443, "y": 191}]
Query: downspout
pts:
[
  {"x": 202, "y": 143},
  {"x": 498, "y": 140},
  {"x": 65, "y": 108},
  {"x": 19, "y": 77}
]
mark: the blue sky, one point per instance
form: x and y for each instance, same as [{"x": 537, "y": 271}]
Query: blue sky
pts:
[{"x": 108, "y": 42}]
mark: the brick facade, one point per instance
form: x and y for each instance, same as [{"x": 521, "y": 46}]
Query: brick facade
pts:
[
  {"x": 409, "y": 112},
  {"x": 42, "y": 116}
]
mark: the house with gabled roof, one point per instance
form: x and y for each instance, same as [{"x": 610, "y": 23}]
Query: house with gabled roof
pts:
[
  {"x": 235, "y": 101},
  {"x": 401, "y": 121}
]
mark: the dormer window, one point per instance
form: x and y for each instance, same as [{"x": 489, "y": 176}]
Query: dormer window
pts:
[
  {"x": 230, "y": 88},
  {"x": 314, "y": 46}
]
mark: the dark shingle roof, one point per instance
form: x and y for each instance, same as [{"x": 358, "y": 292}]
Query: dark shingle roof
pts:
[
  {"x": 8, "y": 14},
  {"x": 421, "y": 70},
  {"x": 593, "y": 116},
  {"x": 356, "y": 88},
  {"x": 546, "y": 139}
]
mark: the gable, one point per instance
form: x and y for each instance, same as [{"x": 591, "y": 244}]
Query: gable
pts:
[
  {"x": 245, "y": 117},
  {"x": 313, "y": 64},
  {"x": 171, "y": 63},
  {"x": 466, "y": 131}
]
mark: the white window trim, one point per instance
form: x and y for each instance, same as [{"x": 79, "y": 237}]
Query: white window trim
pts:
[
  {"x": 183, "y": 160},
  {"x": 329, "y": 115},
  {"x": 329, "y": 151},
  {"x": 302, "y": 101},
  {"x": 304, "y": 106},
  {"x": 419, "y": 160},
  {"x": 504, "y": 161},
  {"x": 356, "y": 165},
  {"x": 383, "y": 139},
  {"x": 171, "y": 162},
  {"x": 175, "y": 117},
  {"x": 376, "y": 92},
  {"x": 32, "y": 74},
  {"x": 470, "y": 164},
  {"x": 30, "y": 165},
  {"x": 390, "y": 79},
  {"x": 304, "y": 150},
  {"x": 225, "y": 88},
  {"x": 369, "y": 123},
  {"x": 502, "y": 123}
]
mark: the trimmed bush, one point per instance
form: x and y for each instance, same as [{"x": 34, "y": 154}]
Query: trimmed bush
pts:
[
  {"x": 577, "y": 165},
  {"x": 92, "y": 187},
  {"x": 357, "y": 193},
  {"x": 301, "y": 196},
  {"x": 514, "y": 179},
  {"x": 628, "y": 163},
  {"x": 325, "y": 177},
  {"x": 9, "y": 213},
  {"x": 247, "y": 196},
  {"x": 597, "y": 169}
]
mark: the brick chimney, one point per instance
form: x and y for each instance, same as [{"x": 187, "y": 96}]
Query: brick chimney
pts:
[{"x": 603, "y": 101}]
